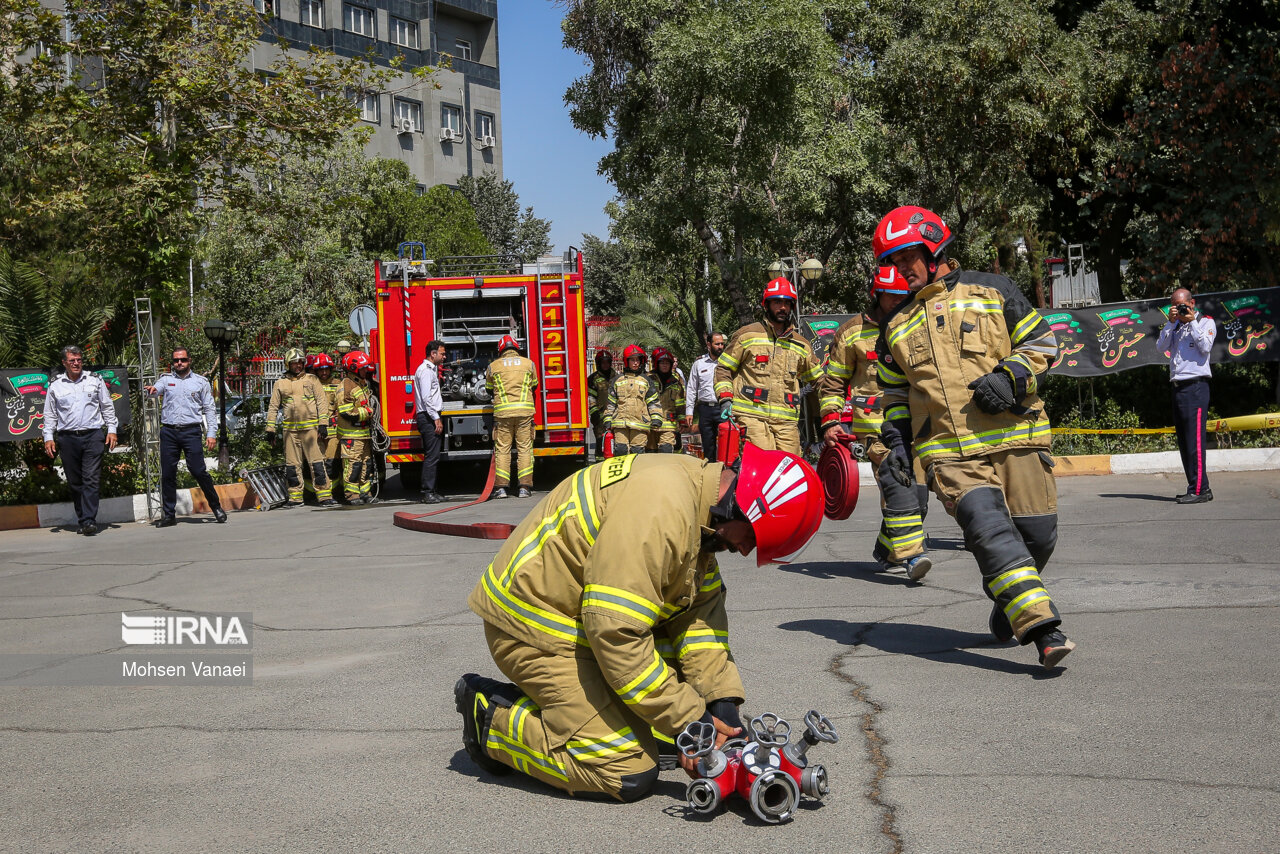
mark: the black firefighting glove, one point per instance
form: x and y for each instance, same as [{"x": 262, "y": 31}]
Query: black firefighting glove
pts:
[
  {"x": 726, "y": 710},
  {"x": 271, "y": 439},
  {"x": 895, "y": 434},
  {"x": 324, "y": 431},
  {"x": 993, "y": 392}
]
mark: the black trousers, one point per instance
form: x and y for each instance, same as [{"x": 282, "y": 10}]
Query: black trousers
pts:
[
  {"x": 708, "y": 428},
  {"x": 1190, "y": 414},
  {"x": 430, "y": 451},
  {"x": 175, "y": 443},
  {"x": 81, "y": 452}
]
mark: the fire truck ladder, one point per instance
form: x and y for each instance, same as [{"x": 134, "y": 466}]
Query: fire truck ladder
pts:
[{"x": 552, "y": 311}]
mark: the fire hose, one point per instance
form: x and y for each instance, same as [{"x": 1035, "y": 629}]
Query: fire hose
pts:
[
  {"x": 766, "y": 769},
  {"x": 476, "y": 530},
  {"x": 379, "y": 441},
  {"x": 838, "y": 471}
]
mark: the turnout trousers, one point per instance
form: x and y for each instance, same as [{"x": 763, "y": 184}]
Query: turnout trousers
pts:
[
  {"x": 629, "y": 440},
  {"x": 302, "y": 452},
  {"x": 357, "y": 465},
  {"x": 902, "y": 510},
  {"x": 771, "y": 435},
  {"x": 1190, "y": 413},
  {"x": 516, "y": 431},
  {"x": 1007, "y": 505},
  {"x": 332, "y": 448},
  {"x": 570, "y": 729}
]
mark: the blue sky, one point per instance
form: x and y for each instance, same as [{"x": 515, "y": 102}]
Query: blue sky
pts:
[{"x": 551, "y": 164}]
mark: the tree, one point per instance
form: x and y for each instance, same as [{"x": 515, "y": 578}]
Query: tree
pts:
[
  {"x": 121, "y": 120},
  {"x": 497, "y": 210}
]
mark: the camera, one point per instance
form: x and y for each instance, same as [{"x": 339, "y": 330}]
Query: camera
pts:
[{"x": 1184, "y": 310}]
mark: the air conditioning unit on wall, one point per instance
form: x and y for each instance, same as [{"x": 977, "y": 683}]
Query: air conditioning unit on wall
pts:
[
  {"x": 487, "y": 142},
  {"x": 449, "y": 135}
]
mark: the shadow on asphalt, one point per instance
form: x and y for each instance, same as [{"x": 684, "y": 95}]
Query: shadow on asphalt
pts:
[
  {"x": 933, "y": 643},
  {"x": 1138, "y": 496},
  {"x": 462, "y": 764},
  {"x": 864, "y": 570}
]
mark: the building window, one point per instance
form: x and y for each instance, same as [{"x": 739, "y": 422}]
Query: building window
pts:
[
  {"x": 370, "y": 106},
  {"x": 404, "y": 33},
  {"x": 264, "y": 7},
  {"x": 313, "y": 13},
  {"x": 358, "y": 19},
  {"x": 462, "y": 48},
  {"x": 409, "y": 115},
  {"x": 484, "y": 125},
  {"x": 451, "y": 119}
]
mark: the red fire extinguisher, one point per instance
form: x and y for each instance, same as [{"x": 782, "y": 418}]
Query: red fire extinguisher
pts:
[
  {"x": 728, "y": 441},
  {"x": 608, "y": 444}
]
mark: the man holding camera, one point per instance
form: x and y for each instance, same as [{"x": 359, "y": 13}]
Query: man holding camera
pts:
[{"x": 1188, "y": 339}]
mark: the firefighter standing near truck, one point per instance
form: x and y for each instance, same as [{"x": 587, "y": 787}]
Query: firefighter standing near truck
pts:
[
  {"x": 300, "y": 402},
  {"x": 598, "y": 388},
  {"x": 323, "y": 368},
  {"x": 606, "y": 607},
  {"x": 632, "y": 408},
  {"x": 666, "y": 438},
  {"x": 851, "y": 368},
  {"x": 960, "y": 364},
  {"x": 512, "y": 380},
  {"x": 760, "y": 373},
  {"x": 355, "y": 425}
]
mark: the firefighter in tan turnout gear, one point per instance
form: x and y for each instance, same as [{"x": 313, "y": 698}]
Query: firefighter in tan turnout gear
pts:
[
  {"x": 632, "y": 408},
  {"x": 759, "y": 375},
  {"x": 331, "y": 447},
  {"x": 598, "y": 387},
  {"x": 512, "y": 380},
  {"x": 851, "y": 368},
  {"x": 606, "y": 607},
  {"x": 959, "y": 364},
  {"x": 666, "y": 438},
  {"x": 300, "y": 402},
  {"x": 355, "y": 426}
]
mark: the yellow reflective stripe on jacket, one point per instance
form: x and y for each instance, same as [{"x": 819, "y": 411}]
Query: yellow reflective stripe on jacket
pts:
[
  {"x": 865, "y": 422},
  {"x": 711, "y": 581},
  {"x": 615, "y": 742},
  {"x": 621, "y": 601},
  {"x": 353, "y": 432},
  {"x": 1025, "y": 327},
  {"x": 983, "y": 441},
  {"x": 644, "y": 684},
  {"x": 765, "y": 409},
  {"x": 531, "y": 615},
  {"x": 898, "y": 333},
  {"x": 696, "y": 639},
  {"x": 983, "y": 306},
  {"x": 665, "y": 647},
  {"x": 889, "y": 376},
  {"x": 588, "y": 516},
  {"x": 898, "y": 410},
  {"x": 309, "y": 424}
]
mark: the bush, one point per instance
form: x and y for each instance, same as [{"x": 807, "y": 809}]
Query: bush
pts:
[{"x": 1110, "y": 417}]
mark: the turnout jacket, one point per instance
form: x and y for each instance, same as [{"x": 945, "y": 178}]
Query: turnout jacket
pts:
[
  {"x": 355, "y": 410},
  {"x": 331, "y": 393},
  {"x": 632, "y": 402},
  {"x": 511, "y": 379},
  {"x": 301, "y": 401},
  {"x": 952, "y": 331},
  {"x": 598, "y": 388},
  {"x": 609, "y": 566},
  {"x": 762, "y": 373},
  {"x": 670, "y": 400},
  {"x": 851, "y": 367}
]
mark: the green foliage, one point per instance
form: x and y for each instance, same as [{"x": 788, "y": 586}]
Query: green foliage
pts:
[
  {"x": 1110, "y": 416},
  {"x": 497, "y": 211}
]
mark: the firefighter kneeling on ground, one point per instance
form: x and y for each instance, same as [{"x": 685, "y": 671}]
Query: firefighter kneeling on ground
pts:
[
  {"x": 632, "y": 409},
  {"x": 512, "y": 380},
  {"x": 607, "y": 609},
  {"x": 355, "y": 426},
  {"x": 851, "y": 367},
  {"x": 666, "y": 438},
  {"x": 300, "y": 400},
  {"x": 959, "y": 364},
  {"x": 759, "y": 375},
  {"x": 322, "y": 367}
]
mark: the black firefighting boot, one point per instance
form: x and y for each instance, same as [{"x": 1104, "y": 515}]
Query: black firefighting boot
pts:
[
  {"x": 474, "y": 697},
  {"x": 1053, "y": 646}
]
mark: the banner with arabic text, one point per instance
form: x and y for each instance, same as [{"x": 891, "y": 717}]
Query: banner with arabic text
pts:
[{"x": 23, "y": 391}]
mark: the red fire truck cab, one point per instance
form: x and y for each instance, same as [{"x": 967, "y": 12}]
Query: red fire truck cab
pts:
[{"x": 469, "y": 303}]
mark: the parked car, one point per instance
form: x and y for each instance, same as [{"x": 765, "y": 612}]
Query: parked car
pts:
[{"x": 250, "y": 410}]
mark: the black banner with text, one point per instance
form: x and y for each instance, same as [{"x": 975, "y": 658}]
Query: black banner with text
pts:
[{"x": 24, "y": 389}]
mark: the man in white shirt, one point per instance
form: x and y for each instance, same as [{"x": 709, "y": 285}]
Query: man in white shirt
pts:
[
  {"x": 1188, "y": 338},
  {"x": 80, "y": 424},
  {"x": 427, "y": 403},
  {"x": 700, "y": 392}
]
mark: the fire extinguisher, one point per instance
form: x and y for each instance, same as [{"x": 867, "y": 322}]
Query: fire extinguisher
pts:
[
  {"x": 608, "y": 443},
  {"x": 728, "y": 441}
]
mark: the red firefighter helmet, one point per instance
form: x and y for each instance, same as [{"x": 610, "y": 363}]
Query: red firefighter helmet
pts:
[
  {"x": 888, "y": 280},
  {"x": 660, "y": 353},
  {"x": 355, "y": 361},
  {"x": 311, "y": 361},
  {"x": 782, "y": 498},
  {"x": 603, "y": 356},
  {"x": 321, "y": 360},
  {"x": 633, "y": 350},
  {"x": 507, "y": 343},
  {"x": 779, "y": 288},
  {"x": 909, "y": 226}
]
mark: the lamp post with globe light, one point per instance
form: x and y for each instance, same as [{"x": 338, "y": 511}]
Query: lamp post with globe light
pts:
[{"x": 221, "y": 333}]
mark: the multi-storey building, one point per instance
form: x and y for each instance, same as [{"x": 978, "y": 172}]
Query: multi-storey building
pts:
[{"x": 443, "y": 127}]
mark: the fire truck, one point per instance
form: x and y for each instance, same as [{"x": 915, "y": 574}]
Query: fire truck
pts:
[{"x": 469, "y": 303}]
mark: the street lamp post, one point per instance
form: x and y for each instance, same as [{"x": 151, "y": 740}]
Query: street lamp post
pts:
[{"x": 221, "y": 333}]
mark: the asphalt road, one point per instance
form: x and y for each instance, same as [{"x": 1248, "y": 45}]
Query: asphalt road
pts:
[{"x": 1159, "y": 735}]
